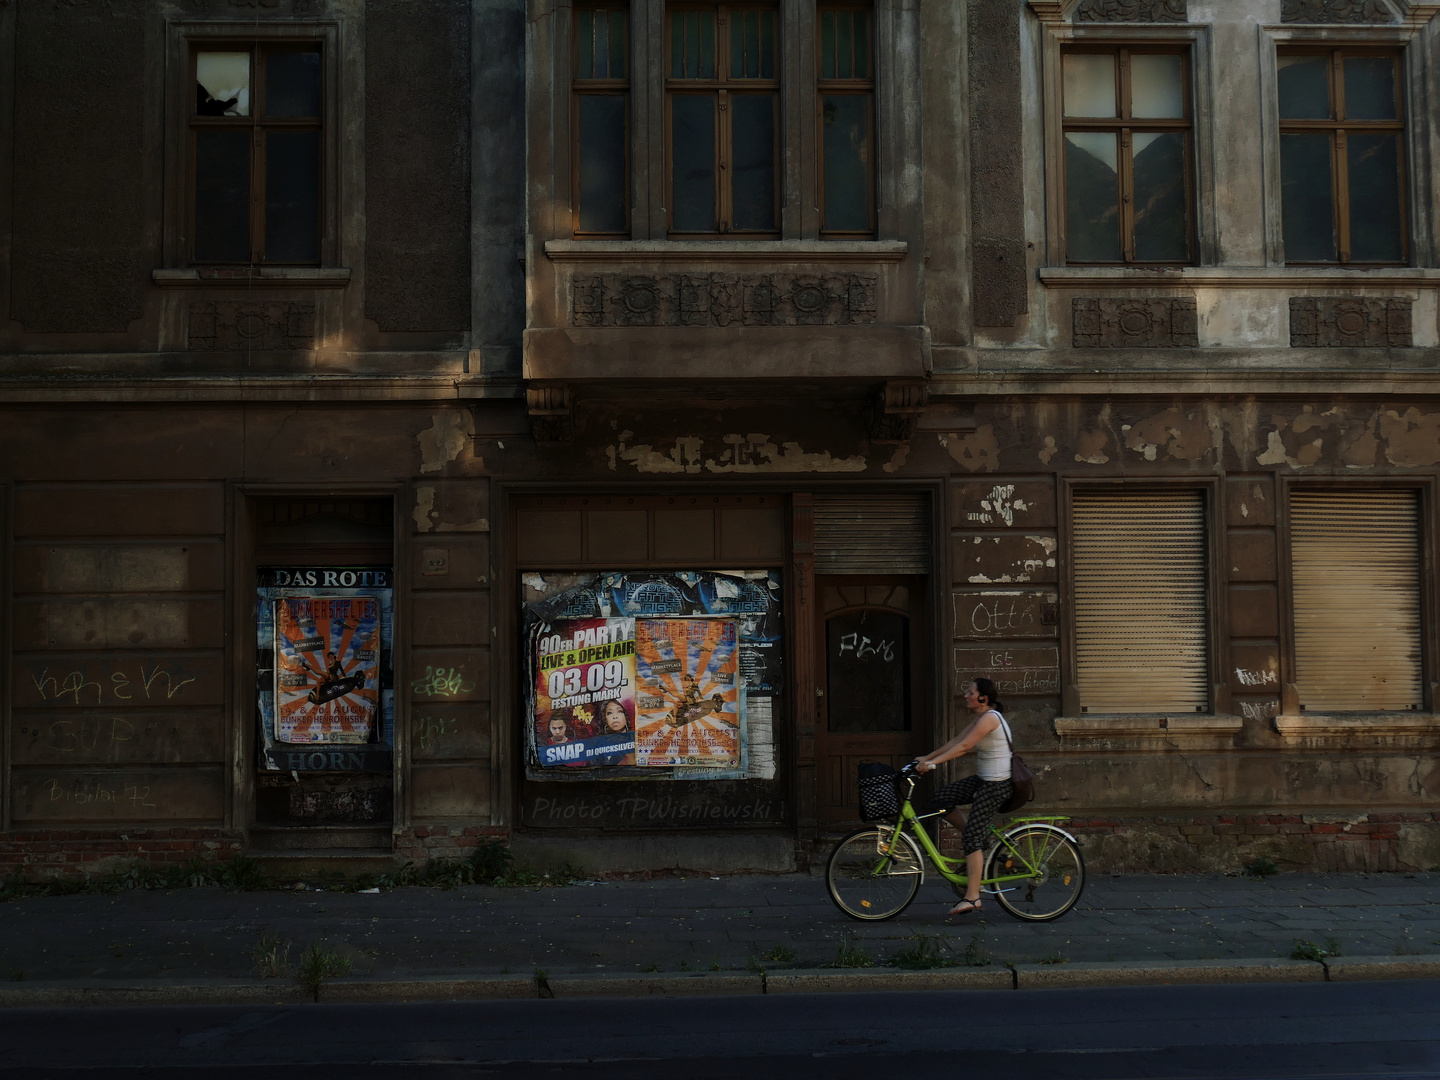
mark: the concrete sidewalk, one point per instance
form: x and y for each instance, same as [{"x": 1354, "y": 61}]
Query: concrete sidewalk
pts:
[{"x": 734, "y": 926}]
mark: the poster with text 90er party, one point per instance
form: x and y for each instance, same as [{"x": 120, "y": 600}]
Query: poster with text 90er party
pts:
[
  {"x": 687, "y": 704},
  {"x": 585, "y": 697}
]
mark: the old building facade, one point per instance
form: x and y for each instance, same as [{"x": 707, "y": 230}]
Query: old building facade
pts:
[{"x": 603, "y": 425}]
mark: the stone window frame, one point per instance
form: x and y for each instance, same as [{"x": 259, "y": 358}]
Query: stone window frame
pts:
[
  {"x": 895, "y": 138},
  {"x": 1419, "y": 94},
  {"x": 1216, "y": 726},
  {"x": 343, "y": 161},
  {"x": 1195, "y": 39},
  {"x": 1291, "y": 722}
]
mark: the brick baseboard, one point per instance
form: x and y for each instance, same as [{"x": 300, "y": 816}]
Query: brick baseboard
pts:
[{"x": 52, "y": 853}]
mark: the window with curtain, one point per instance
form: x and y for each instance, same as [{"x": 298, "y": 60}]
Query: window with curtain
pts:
[
  {"x": 1128, "y": 155},
  {"x": 1342, "y": 156},
  {"x": 722, "y": 103},
  {"x": 256, "y": 154}
]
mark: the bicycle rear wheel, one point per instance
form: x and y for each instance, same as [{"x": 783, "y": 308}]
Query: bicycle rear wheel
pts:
[
  {"x": 1057, "y": 868},
  {"x": 871, "y": 878}
]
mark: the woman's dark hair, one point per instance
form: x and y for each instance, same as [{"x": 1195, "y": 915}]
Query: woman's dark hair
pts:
[{"x": 986, "y": 689}]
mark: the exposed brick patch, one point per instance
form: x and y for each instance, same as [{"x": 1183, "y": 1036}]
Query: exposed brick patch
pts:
[
  {"x": 423, "y": 842},
  {"x": 53, "y": 853}
]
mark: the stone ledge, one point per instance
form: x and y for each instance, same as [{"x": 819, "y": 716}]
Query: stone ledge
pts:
[
  {"x": 1229, "y": 277},
  {"x": 1163, "y": 972},
  {"x": 302, "y": 277},
  {"x": 1396, "y": 723},
  {"x": 1147, "y": 726},
  {"x": 707, "y": 251},
  {"x": 862, "y": 981},
  {"x": 1356, "y": 968}
]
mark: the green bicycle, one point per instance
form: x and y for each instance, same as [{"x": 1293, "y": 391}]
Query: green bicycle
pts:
[{"x": 1033, "y": 868}]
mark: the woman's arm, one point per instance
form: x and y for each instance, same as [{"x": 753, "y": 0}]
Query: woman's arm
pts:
[{"x": 962, "y": 744}]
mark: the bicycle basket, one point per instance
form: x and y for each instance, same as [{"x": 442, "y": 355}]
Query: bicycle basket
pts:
[{"x": 879, "y": 792}]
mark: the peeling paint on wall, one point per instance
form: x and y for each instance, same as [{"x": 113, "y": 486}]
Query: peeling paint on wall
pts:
[
  {"x": 427, "y": 518},
  {"x": 750, "y": 453},
  {"x": 1048, "y": 450},
  {"x": 1413, "y": 439},
  {"x": 1092, "y": 447},
  {"x": 897, "y": 459},
  {"x": 1185, "y": 436},
  {"x": 450, "y": 434},
  {"x": 977, "y": 451},
  {"x": 999, "y": 504}
]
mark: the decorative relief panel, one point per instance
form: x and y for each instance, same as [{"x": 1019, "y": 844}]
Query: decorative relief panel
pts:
[
  {"x": 722, "y": 299},
  {"x": 1350, "y": 322},
  {"x": 1336, "y": 11},
  {"x": 244, "y": 324},
  {"x": 1105, "y": 323},
  {"x": 1131, "y": 11}
]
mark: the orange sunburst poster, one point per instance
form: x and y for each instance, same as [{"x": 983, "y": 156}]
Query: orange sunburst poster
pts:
[
  {"x": 687, "y": 709},
  {"x": 327, "y": 669}
]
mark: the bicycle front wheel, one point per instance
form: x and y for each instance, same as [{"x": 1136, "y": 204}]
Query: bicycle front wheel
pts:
[
  {"x": 872, "y": 878},
  {"x": 1054, "y": 869}
]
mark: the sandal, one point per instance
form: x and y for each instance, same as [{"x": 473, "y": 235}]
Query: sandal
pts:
[{"x": 965, "y": 907}]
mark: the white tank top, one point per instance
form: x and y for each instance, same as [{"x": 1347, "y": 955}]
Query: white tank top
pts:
[{"x": 992, "y": 753}]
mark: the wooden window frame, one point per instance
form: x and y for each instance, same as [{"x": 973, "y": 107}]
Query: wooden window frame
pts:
[
  {"x": 1291, "y": 720},
  {"x": 1339, "y": 126},
  {"x": 1125, "y": 127},
  {"x": 586, "y": 87},
  {"x": 260, "y": 126},
  {"x": 723, "y": 86},
  {"x": 1217, "y": 656},
  {"x": 183, "y": 40},
  {"x": 853, "y": 87}
]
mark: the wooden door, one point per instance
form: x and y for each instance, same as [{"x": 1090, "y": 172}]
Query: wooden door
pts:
[{"x": 870, "y": 636}]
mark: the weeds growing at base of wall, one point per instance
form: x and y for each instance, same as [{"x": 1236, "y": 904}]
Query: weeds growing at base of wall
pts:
[
  {"x": 489, "y": 864},
  {"x": 239, "y": 875},
  {"x": 271, "y": 956},
  {"x": 850, "y": 955},
  {"x": 1260, "y": 868}
]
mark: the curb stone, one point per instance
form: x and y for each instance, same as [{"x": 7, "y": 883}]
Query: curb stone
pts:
[
  {"x": 1160, "y": 972},
  {"x": 209, "y": 992},
  {"x": 649, "y": 983},
  {"x": 1354, "y": 968},
  {"x": 852, "y": 980},
  {"x": 429, "y": 989}
]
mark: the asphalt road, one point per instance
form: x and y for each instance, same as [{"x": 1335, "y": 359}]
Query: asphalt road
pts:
[{"x": 1274, "y": 1031}]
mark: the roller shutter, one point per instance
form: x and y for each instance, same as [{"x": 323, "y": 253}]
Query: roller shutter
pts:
[
  {"x": 1356, "y": 573},
  {"x": 872, "y": 534},
  {"x": 1140, "y": 602}
]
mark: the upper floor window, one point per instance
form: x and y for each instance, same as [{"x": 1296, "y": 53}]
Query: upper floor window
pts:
[
  {"x": 1342, "y": 156},
  {"x": 256, "y": 154},
  {"x": 1127, "y": 126},
  {"x": 846, "y": 97},
  {"x": 722, "y": 98},
  {"x": 601, "y": 118}
]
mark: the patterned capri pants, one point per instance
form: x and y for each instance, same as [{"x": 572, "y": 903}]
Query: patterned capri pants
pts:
[{"x": 984, "y": 797}]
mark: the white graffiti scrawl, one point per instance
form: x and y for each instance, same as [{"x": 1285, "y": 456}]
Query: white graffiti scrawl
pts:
[{"x": 999, "y": 503}]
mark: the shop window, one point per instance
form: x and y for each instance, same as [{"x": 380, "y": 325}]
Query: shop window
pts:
[
  {"x": 1342, "y": 156},
  {"x": 1140, "y": 599},
  {"x": 845, "y": 96},
  {"x": 601, "y": 118},
  {"x": 1355, "y": 574},
  {"x": 256, "y": 153},
  {"x": 722, "y": 98},
  {"x": 1128, "y": 155}
]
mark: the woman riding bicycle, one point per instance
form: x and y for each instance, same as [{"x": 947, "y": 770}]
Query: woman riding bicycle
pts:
[{"x": 987, "y": 734}]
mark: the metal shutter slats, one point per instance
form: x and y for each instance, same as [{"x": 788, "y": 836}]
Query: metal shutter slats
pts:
[
  {"x": 1356, "y": 567},
  {"x": 872, "y": 534},
  {"x": 1141, "y": 623}
]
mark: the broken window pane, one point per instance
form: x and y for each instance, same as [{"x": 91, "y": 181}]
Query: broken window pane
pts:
[
  {"x": 292, "y": 84},
  {"x": 222, "y": 84}
]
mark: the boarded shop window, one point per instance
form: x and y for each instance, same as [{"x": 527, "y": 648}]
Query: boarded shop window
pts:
[
  {"x": 256, "y": 154},
  {"x": 845, "y": 96},
  {"x": 1342, "y": 156},
  {"x": 1141, "y": 622},
  {"x": 1128, "y": 156},
  {"x": 1356, "y": 579},
  {"x": 601, "y": 121},
  {"x": 722, "y": 97}
]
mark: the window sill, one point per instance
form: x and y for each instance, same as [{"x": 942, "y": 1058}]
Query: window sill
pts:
[
  {"x": 1146, "y": 725},
  {"x": 295, "y": 277},
  {"x": 1253, "y": 277},
  {"x": 1390, "y": 723},
  {"x": 869, "y": 251}
]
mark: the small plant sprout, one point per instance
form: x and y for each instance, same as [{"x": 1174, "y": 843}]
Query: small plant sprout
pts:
[
  {"x": 271, "y": 956},
  {"x": 318, "y": 963}
]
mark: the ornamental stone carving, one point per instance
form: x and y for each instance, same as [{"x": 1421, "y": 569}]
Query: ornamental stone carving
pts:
[
  {"x": 1353, "y": 322},
  {"x": 251, "y": 325},
  {"x": 722, "y": 299},
  {"x": 1131, "y": 11},
  {"x": 1336, "y": 11},
  {"x": 1158, "y": 323}
]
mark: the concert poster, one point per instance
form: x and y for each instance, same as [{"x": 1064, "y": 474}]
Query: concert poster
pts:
[{"x": 327, "y": 669}]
